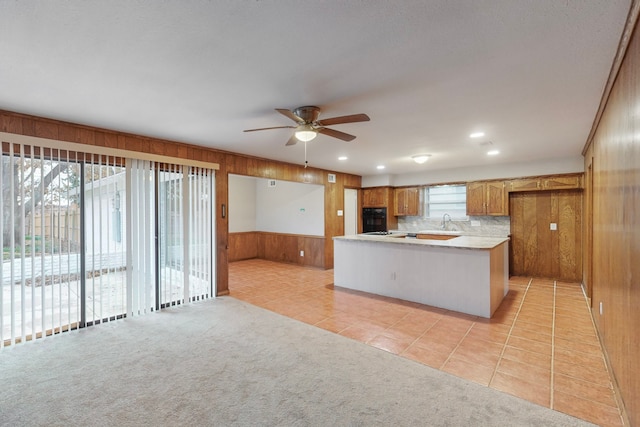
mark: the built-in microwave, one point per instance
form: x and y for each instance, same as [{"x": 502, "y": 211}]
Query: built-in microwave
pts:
[{"x": 374, "y": 219}]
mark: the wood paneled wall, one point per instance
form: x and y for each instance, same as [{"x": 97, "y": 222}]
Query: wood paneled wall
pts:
[
  {"x": 538, "y": 251},
  {"x": 23, "y": 124},
  {"x": 243, "y": 245},
  {"x": 277, "y": 247},
  {"x": 613, "y": 258},
  {"x": 333, "y": 192}
]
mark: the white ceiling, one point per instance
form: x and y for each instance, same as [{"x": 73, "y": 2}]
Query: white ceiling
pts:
[{"x": 530, "y": 74}]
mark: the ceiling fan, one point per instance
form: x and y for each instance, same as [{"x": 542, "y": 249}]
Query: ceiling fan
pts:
[{"x": 308, "y": 125}]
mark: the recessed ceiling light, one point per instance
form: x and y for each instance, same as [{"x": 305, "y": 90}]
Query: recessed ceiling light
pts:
[
  {"x": 342, "y": 158},
  {"x": 493, "y": 152},
  {"x": 476, "y": 135},
  {"x": 380, "y": 167}
]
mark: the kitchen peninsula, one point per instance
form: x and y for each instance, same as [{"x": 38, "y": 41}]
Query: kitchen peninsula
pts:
[{"x": 468, "y": 274}]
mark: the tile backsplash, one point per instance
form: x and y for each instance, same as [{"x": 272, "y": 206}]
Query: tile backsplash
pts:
[{"x": 499, "y": 226}]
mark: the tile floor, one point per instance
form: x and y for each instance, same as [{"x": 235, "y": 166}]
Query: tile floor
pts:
[{"x": 540, "y": 345}]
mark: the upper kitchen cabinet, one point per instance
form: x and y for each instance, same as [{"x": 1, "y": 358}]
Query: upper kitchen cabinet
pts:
[
  {"x": 551, "y": 182},
  {"x": 562, "y": 182},
  {"x": 376, "y": 197},
  {"x": 525, "y": 184},
  {"x": 486, "y": 198},
  {"x": 407, "y": 202}
]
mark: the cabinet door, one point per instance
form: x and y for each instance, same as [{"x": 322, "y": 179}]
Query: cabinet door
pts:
[
  {"x": 400, "y": 201},
  {"x": 413, "y": 205},
  {"x": 495, "y": 198},
  {"x": 566, "y": 182},
  {"x": 378, "y": 197},
  {"x": 366, "y": 198},
  {"x": 407, "y": 202},
  {"x": 475, "y": 198},
  {"x": 372, "y": 198},
  {"x": 526, "y": 184}
]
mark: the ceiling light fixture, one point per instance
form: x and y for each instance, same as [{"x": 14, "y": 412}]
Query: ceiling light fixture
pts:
[
  {"x": 476, "y": 135},
  {"x": 380, "y": 167},
  {"x": 342, "y": 158},
  {"x": 493, "y": 152},
  {"x": 420, "y": 158},
  {"x": 305, "y": 133}
]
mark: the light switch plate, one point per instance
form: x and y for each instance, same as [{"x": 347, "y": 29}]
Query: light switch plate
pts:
[
  {"x": 340, "y": 213},
  {"x": 553, "y": 226}
]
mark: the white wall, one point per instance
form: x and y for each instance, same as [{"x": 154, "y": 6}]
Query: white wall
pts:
[
  {"x": 478, "y": 173},
  {"x": 242, "y": 203},
  {"x": 289, "y": 207}
]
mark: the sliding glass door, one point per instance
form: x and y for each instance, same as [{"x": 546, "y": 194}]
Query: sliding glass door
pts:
[
  {"x": 40, "y": 239},
  {"x": 104, "y": 263},
  {"x": 91, "y": 238},
  {"x": 185, "y": 233}
]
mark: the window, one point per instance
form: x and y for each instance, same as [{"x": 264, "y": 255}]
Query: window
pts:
[
  {"x": 91, "y": 238},
  {"x": 446, "y": 199}
]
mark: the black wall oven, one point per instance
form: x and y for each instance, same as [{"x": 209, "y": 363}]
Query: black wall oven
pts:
[{"x": 374, "y": 219}]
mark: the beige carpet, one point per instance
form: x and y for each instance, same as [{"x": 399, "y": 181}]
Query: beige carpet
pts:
[{"x": 224, "y": 362}]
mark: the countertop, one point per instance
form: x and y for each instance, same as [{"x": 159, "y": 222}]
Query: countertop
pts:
[{"x": 461, "y": 242}]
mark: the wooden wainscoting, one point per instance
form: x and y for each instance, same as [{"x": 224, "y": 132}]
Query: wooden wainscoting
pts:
[
  {"x": 243, "y": 245},
  {"x": 538, "y": 251},
  {"x": 278, "y": 247}
]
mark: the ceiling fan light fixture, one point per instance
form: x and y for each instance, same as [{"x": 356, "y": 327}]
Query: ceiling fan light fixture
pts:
[
  {"x": 420, "y": 158},
  {"x": 305, "y": 133}
]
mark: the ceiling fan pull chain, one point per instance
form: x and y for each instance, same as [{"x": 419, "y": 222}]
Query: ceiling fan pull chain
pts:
[{"x": 305, "y": 155}]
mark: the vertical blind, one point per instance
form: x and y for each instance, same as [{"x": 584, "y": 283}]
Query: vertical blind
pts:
[{"x": 90, "y": 238}]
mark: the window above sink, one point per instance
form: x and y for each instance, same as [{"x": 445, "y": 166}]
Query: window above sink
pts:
[{"x": 446, "y": 199}]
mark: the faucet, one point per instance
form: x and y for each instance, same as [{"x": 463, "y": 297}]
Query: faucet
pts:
[{"x": 444, "y": 221}]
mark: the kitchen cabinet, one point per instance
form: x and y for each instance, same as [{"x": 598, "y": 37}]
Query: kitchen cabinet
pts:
[
  {"x": 562, "y": 182},
  {"x": 525, "y": 184},
  {"x": 486, "y": 198},
  {"x": 551, "y": 182},
  {"x": 376, "y": 197},
  {"x": 407, "y": 202}
]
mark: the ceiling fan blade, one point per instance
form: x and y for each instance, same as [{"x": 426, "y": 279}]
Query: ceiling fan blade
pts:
[
  {"x": 289, "y": 114},
  {"x": 353, "y": 118},
  {"x": 292, "y": 141},
  {"x": 276, "y": 127},
  {"x": 336, "y": 134}
]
